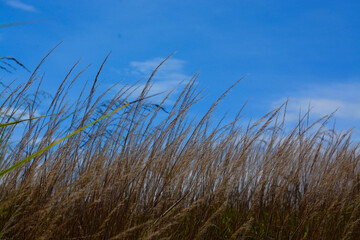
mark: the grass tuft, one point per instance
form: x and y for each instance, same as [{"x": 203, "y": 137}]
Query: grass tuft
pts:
[{"x": 149, "y": 174}]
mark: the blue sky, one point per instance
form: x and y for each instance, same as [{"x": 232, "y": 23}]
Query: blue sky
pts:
[{"x": 307, "y": 51}]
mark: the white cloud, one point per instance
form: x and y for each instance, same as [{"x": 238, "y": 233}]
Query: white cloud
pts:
[
  {"x": 171, "y": 70},
  {"x": 171, "y": 64},
  {"x": 344, "y": 98},
  {"x": 21, "y": 5},
  {"x": 320, "y": 107},
  {"x": 167, "y": 78},
  {"x": 19, "y": 113}
]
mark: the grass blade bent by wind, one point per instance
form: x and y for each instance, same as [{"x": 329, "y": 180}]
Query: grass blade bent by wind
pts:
[
  {"x": 19, "y": 121},
  {"x": 18, "y": 164}
]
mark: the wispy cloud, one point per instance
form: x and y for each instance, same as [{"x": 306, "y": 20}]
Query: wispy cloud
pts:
[
  {"x": 21, "y": 5},
  {"x": 171, "y": 70},
  {"x": 320, "y": 107},
  {"x": 19, "y": 113},
  {"x": 167, "y": 78},
  {"x": 344, "y": 98}
]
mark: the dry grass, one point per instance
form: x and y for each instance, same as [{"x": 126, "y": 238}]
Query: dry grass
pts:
[{"x": 143, "y": 175}]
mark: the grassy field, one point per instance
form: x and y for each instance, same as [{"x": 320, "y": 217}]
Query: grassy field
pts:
[{"x": 143, "y": 173}]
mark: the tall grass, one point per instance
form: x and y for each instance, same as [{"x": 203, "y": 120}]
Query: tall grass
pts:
[{"x": 144, "y": 174}]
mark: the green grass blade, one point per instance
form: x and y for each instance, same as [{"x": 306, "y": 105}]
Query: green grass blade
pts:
[
  {"x": 18, "y": 164},
  {"x": 16, "y": 122}
]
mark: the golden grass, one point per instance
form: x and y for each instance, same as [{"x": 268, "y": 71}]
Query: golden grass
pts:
[{"x": 143, "y": 175}]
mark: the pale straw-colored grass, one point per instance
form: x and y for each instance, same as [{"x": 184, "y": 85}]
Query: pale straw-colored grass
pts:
[{"x": 146, "y": 174}]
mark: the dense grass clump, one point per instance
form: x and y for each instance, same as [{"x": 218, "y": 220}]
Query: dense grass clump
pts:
[{"x": 146, "y": 174}]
